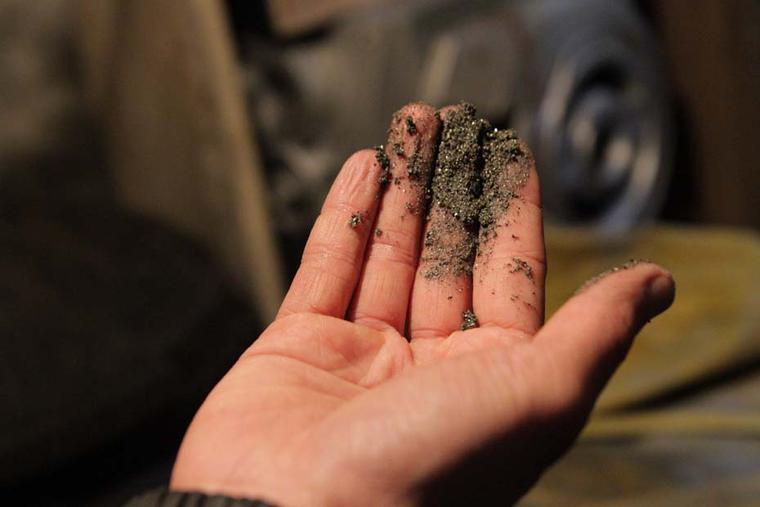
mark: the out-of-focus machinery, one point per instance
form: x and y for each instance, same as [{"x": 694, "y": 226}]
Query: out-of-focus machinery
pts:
[{"x": 582, "y": 80}]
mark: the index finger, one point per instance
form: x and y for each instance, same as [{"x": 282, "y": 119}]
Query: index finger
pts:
[{"x": 334, "y": 252}]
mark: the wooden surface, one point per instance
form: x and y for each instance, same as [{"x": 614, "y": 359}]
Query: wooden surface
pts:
[
  {"x": 713, "y": 48},
  {"x": 714, "y": 324},
  {"x": 679, "y": 422}
]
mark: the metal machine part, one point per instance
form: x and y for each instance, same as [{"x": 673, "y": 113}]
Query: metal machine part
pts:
[
  {"x": 582, "y": 81},
  {"x": 599, "y": 121}
]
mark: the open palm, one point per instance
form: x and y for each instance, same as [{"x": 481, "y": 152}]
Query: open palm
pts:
[{"x": 365, "y": 390}]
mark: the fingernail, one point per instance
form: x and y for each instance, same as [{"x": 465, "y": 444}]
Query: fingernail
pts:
[{"x": 660, "y": 293}]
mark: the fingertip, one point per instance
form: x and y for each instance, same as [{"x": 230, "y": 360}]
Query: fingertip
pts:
[
  {"x": 416, "y": 110},
  {"x": 358, "y": 169},
  {"x": 645, "y": 287},
  {"x": 593, "y": 331},
  {"x": 660, "y": 292},
  {"x": 364, "y": 162},
  {"x": 363, "y": 156},
  {"x": 651, "y": 286},
  {"x": 445, "y": 111},
  {"x": 417, "y": 118}
]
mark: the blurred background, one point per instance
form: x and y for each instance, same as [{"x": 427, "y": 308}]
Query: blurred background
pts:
[{"x": 162, "y": 161}]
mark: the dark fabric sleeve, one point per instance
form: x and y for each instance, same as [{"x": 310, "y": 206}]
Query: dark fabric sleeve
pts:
[{"x": 165, "y": 498}]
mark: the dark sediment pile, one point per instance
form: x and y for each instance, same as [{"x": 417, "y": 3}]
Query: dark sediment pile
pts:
[
  {"x": 504, "y": 172},
  {"x": 385, "y": 165},
  {"x": 457, "y": 185},
  {"x": 477, "y": 173},
  {"x": 451, "y": 237},
  {"x": 408, "y": 156}
]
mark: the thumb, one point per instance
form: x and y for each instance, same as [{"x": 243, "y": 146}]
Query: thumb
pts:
[
  {"x": 590, "y": 335},
  {"x": 541, "y": 394}
]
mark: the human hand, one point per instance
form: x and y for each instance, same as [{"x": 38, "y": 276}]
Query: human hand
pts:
[{"x": 365, "y": 390}]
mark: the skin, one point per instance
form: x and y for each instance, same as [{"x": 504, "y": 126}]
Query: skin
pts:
[{"x": 364, "y": 391}]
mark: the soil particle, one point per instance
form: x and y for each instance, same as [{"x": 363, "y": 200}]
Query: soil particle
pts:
[
  {"x": 385, "y": 165},
  {"x": 469, "y": 320},
  {"x": 414, "y": 168},
  {"x": 356, "y": 219},
  {"x": 411, "y": 128},
  {"x": 431, "y": 237},
  {"x": 521, "y": 265}
]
